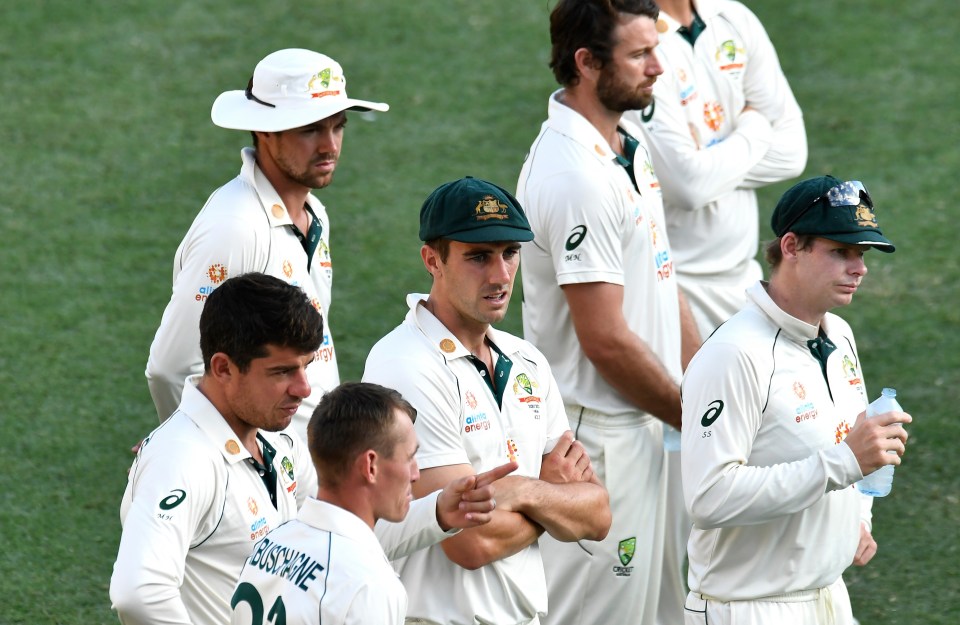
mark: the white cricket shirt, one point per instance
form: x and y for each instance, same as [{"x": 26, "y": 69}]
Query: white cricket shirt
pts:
[
  {"x": 243, "y": 227},
  {"x": 459, "y": 421},
  {"x": 192, "y": 510},
  {"x": 709, "y": 155},
  {"x": 326, "y": 566},
  {"x": 194, "y": 507},
  {"x": 766, "y": 475},
  {"x": 592, "y": 225}
]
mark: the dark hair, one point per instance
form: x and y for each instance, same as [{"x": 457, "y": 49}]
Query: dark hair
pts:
[
  {"x": 774, "y": 255},
  {"x": 248, "y": 312},
  {"x": 441, "y": 246},
  {"x": 589, "y": 24},
  {"x": 350, "y": 419}
]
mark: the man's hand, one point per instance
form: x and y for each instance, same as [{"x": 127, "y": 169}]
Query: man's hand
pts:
[
  {"x": 867, "y": 547},
  {"x": 871, "y": 439},
  {"x": 469, "y": 501},
  {"x": 568, "y": 462}
]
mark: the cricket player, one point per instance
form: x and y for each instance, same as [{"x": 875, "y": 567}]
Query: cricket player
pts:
[
  {"x": 327, "y": 566},
  {"x": 601, "y": 300},
  {"x": 266, "y": 219},
  {"x": 484, "y": 397},
  {"x": 723, "y": 123},
  {"x": 221, "y": 472},
  {"x": 774, "y": 435}
]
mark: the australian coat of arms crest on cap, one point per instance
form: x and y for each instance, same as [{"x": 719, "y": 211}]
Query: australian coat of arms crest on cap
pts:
[
  {"x": 865, "y": 217},
  {"x": 490, "y": 208}
]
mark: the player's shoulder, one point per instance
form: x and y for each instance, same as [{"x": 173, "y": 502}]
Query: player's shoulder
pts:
[
  {"x": 405, "y": 358},
  {"x": 836, "y": 325},
  {"x": 513, "y": 345},
  {"x": 231, "y": 212},
  {"x": 405, "y": 343},
  {"x": 178, "y": 450},
  {"x": 749, "y": 334},
  {"x": 177, "y": 440}
]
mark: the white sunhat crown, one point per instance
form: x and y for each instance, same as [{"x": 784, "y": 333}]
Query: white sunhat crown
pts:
[{"x": 290, "y": 88}]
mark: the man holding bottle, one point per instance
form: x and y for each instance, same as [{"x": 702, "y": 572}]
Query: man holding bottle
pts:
[{"x": 774, "y": 435}]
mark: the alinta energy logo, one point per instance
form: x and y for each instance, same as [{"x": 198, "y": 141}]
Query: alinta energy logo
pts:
[
  {"x": 217, "y": 273},
  {"x": 799, "y": 390}
]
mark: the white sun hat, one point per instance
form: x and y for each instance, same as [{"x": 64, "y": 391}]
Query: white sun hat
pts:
[{"x": 290, "y": 88}]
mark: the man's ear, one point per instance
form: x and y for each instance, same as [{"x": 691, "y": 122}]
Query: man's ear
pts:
[
  {"x": 588, "y": 66},
  {"x": 222, "y": 367},
  {"x": 431, "y": 259},
  {"x": 788, "y": 245},
  {"x": 367, "y": 465}
]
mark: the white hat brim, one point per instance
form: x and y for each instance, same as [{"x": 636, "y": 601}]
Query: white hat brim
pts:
[{"x": 233, "y": 110}]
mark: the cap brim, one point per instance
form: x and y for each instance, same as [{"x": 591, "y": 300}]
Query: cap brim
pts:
[
  {"x": 233, "y": 110},
  {"x": 863, "y": 237},
  {"x": 491, "y": 234}
]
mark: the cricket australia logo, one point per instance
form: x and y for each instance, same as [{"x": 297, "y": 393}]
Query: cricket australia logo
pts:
[
  {"x": 625, "y": 551},
  {"x": 524, "y": 383}
]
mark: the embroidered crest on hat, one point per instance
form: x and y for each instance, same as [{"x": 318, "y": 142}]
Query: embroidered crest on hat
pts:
[{"x": 490, "y": 207}]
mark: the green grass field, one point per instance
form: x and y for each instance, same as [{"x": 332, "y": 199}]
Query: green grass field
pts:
[{"x": 108, "y": 153}]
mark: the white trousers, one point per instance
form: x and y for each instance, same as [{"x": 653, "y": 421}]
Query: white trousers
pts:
[
  {"x": 824, "y": 606},
  {"x": 615, "y": 581}
]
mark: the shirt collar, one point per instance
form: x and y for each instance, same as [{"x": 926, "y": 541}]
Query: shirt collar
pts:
[
  {"x": 270, "y": 201},
  {"x": 208, "y": 419},
  {"x": 576, "y": 127},
  {"x": 794, "y": 328},
  {"x": 443, "y": 340},
  {"x": 329, "y": 517}
]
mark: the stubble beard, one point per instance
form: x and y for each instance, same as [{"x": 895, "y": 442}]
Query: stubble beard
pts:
[
  {"x": 618, "y": 97},
  {"x": 305, "y": 177}
]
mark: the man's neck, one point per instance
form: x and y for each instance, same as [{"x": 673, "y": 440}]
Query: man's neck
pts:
[
  {"x": 788, "y": 300},
  {"x": 246, "y": 434},
  {"x": 292, "y": 194},
  {"x": 347, "y": 498},
  {"x": 471, "y": 335},
  {"x": 584, "y": 101}
]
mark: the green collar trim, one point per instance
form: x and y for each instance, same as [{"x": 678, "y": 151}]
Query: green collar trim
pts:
[
  {"x": 501, "y": 373},
  {"x": 821, "y": 348},
  {"x": 265, "y": 470},
  {"x": 630, "y": 145},
  {"x": 697, "y": 26},
  {"x": 312, "y": 238}
]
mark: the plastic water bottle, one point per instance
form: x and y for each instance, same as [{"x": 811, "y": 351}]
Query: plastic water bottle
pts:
[
  {"x": 671, "y": 438},
  {"x": 879, "y": 483}
]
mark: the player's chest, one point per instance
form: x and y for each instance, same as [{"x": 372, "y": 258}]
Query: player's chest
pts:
[
  {"x": 708, "y": 84},
  {"x": 808, "y": 411},
  {"x": 513, "y": 428},
  {"x": 646, "y": 248},
  {"x": 287, "y": 259},
  {"x": 247, "y": 511}
]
